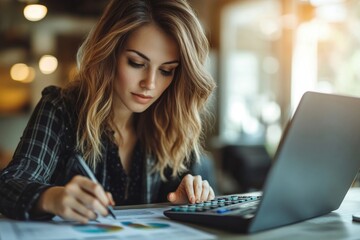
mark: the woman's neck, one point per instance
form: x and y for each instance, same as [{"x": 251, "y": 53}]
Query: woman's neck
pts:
[
  {"x": 122, "y": 117},
  {"x": 124, "y": 137},
  {"x": 122, "y": 121}
]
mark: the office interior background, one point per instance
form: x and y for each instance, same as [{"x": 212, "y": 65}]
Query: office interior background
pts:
[{"x": 264, "y": 55}]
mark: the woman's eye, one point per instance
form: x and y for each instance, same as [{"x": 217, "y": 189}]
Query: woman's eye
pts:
[
  {"x": 135, "y": 65},
  {"x": 166, "y": 73}
]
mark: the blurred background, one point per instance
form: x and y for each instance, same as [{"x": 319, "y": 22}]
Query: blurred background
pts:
[{"x": 264, "y": 55}]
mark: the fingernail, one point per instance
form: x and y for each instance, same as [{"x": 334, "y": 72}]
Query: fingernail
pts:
[{"x": 172, "y": 197}]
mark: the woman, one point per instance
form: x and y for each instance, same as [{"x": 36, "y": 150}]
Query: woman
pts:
[{"x": 134, "y": 112}]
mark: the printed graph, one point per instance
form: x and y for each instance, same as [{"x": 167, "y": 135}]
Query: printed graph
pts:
[
  {"x": 152, "y": 225},
  {"x": 97, "y": 228}
]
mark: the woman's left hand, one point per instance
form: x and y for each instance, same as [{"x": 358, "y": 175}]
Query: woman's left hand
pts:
[{"x": 192, "y": 189}]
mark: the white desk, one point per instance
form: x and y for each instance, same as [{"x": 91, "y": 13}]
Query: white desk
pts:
[{"x": 333, "y": 226}]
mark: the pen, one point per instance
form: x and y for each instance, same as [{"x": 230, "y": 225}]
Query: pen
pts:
[{"x": 87, "y": 171}]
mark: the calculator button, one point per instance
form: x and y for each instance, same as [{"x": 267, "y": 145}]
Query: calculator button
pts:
[
  {"x": 222, "y": 210},
  {"x": 175, "y": 209},
  {"x": 234, "y": 198}
]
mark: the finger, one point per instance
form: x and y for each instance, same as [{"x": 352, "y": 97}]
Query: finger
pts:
[
  {"x": 197, "y": 184},
  {"x": 111, "y": 199},
  {"x": 205, "y": 191},
  {"x": 211, "y": 194},
  {"x": 188, "y": 183},
  {"x": 178, "y": 198},
  {"x": 184, "y": 193},
  {"x": 92, "y": 203},
  {"x": 70, "y": 214},
  {"x": 66, "y": 209},
  {"x": 83, "y": 196},
  {"x": 80, "y": 208},
  {"x": 172, "y": 197},
  {"x": 93, "y": 188},
  {"x": 100, "y": 194}
]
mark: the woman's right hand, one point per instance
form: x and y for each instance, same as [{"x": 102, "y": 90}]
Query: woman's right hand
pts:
[{"x": 80, "y": 200}]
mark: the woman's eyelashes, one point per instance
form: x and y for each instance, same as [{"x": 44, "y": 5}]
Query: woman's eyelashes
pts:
[
  {"x": 135, "y": 64},
  {"x": 164, "y": 72},
  {"x": 167, "y": 73}
]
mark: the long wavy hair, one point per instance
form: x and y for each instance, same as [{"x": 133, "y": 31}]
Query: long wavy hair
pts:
[{"x": 171, "y": 129}]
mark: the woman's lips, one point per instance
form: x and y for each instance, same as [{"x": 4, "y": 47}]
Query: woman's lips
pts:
[{"x": 141, "y": 98}]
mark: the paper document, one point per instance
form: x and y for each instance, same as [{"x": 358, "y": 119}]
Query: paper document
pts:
[{"x": 145, "y": 223}]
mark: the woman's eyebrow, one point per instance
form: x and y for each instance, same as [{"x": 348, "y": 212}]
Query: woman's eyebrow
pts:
[
  {"x": 146, "y": 58},
  {"x": 138, "y": 53}
]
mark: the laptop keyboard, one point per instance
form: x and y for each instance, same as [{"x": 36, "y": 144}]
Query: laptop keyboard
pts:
[{"x": 225, "y": 205}]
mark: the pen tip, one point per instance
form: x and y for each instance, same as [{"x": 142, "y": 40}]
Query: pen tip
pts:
[{"x": 111, "y": 212}]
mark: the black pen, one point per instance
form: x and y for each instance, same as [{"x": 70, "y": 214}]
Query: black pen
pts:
[{"x": 87, "y": 171}]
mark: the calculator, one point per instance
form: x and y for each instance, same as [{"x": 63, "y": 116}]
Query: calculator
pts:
[{"x": 225, "y": 212}]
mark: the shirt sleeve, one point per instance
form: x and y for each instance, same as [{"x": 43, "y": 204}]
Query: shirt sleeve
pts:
[{"x": 34, "y": 160}]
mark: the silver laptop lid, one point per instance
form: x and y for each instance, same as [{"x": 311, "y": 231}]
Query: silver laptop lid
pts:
[{"x": 316, "y": 161}]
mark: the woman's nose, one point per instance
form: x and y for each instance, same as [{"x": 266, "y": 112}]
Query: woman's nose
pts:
[{"x": 149, "y": 81}]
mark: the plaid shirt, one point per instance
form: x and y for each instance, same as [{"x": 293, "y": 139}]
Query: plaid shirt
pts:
[{"x": 43, "y": 158}]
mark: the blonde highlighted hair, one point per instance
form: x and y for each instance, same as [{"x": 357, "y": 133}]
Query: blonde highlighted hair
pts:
[{"x": 170, "y": 129}]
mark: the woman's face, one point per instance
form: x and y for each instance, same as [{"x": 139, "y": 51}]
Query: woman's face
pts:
[{"x": 146, "y": 67}]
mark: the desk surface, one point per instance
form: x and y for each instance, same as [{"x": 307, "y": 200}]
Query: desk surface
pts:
[{"x": 335, "y": 225}]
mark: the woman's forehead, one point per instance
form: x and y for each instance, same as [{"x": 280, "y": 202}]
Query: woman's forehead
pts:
[{"x": 151, "y": 41}]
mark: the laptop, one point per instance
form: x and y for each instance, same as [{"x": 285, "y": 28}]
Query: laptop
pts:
[{"x": 315, "y": 164}]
